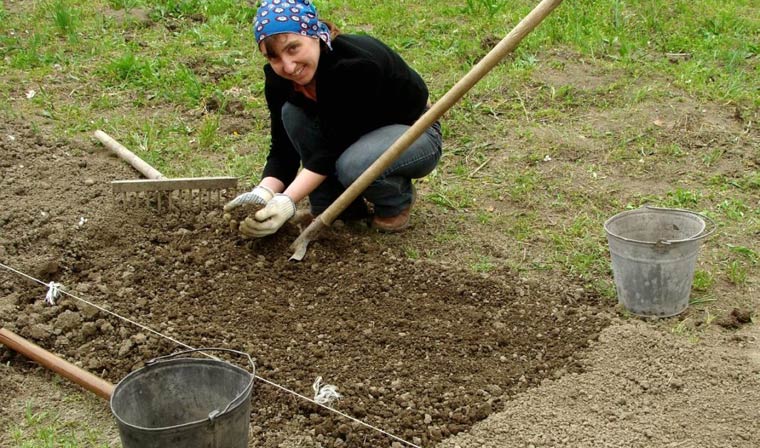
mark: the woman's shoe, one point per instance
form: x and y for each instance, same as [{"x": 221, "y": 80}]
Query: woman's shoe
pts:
[{"x": 394, "y": 224}]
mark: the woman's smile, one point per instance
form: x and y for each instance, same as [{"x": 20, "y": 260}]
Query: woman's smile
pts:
[{"x": 293, "y": 56}]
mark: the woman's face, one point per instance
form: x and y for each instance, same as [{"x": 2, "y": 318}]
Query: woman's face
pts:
[{"x": 292, "y": 56}]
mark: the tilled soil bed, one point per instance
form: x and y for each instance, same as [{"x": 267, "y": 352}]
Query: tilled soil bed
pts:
[{"x": 420, "y": 349}]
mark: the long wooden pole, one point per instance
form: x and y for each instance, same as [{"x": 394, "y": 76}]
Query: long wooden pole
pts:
[
  {"x": 58, "y": 365},
  {"x": 489, "y": 61}
]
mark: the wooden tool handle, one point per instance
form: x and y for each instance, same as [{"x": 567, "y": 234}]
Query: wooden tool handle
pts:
[
  {"x": 489, "y": 61},
  {"x": 485, "y": 65},
  {"x": 127, "y": 155},
  {"x": 48, "y": 360}
]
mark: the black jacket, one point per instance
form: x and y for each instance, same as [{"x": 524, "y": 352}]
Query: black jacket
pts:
[{"x": 362, "y": 85}]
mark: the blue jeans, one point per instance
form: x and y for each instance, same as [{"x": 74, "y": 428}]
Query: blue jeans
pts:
[{"x": 392, "y": 191}]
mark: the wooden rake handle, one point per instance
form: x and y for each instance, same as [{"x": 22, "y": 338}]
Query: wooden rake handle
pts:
[
  {"x": 137, "y": 163},
  {"x": 485, "y": 65},
  {"x": 92, "y": 383}
]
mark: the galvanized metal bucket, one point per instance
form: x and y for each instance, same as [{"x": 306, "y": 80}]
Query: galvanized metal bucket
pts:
[
  {"x": 185, "y": 402},
  {"x": 654, "y": 253}
]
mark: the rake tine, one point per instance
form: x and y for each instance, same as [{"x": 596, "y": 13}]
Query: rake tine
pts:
[{"x": 158, "y": 185}]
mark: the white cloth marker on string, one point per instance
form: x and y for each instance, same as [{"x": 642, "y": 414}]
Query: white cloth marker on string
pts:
[
  {"x": 325, "y": 391},
  {"x": 324, "y": 394},
  {"x": 52, "y": 293}
]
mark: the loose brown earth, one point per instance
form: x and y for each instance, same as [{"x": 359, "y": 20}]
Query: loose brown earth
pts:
[{"x": 424, "y": 350}]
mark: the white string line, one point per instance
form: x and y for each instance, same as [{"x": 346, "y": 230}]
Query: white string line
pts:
[
  {"x": 62, "y": 291},
  {"x": 339, "y": 413}
]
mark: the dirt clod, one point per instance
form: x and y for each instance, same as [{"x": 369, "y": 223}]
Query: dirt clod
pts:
[{"x": 735, "y": 319}]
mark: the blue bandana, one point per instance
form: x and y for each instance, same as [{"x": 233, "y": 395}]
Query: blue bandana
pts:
[{"x": 289, "y": 16}]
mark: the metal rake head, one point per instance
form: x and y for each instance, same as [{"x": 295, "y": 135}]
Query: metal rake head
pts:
[{"x": 175, "y": 194}]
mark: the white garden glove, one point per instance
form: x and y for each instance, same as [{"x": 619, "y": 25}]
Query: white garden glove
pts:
[
  {"x": 270, "y": 218},
  {"x": 258, "y": 196}
]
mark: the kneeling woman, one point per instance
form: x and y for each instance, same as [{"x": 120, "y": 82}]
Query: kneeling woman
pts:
[{"x": 337, "y": 102}]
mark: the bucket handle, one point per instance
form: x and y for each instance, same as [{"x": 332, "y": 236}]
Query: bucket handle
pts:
[
  {"x": 215, "y": 413},
  {"x": 702, "y": 235}
]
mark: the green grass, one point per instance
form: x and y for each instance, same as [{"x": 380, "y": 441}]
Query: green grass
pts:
[
  {"x": 44, "y": 429},
  {"x": 65, "y": 19},
  {"x": 100, "y": 64},
  {"x": 719, "y": 37},
  {"x": 483, "y": 265},
  {"x": 748, "y": 254},
  {"x": 123, "y": 4},
  {"x": 703, "y": 280}
]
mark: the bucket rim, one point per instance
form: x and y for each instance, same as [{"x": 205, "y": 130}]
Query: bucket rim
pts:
[
  {"x": 704, "y": 233},
  {"x": 171, "y": 358}
]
